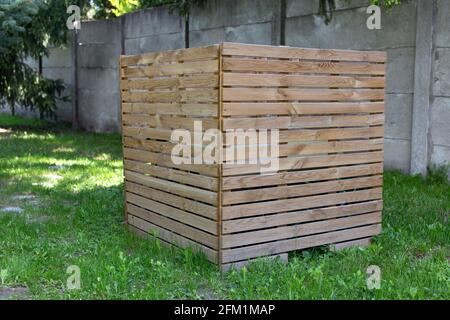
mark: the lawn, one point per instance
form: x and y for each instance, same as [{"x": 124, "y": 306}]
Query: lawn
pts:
[{"x": 63, "y": 195}]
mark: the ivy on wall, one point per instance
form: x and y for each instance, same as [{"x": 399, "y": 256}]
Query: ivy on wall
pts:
[
  {"x": 327, "y": 7},
  {"x": 114, "y": 8}
]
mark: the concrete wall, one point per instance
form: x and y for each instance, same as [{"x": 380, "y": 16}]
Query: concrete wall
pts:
[
  {"x": 439, "y": 133},
  {"x": 98, "y": 75},
  {"x": 415, "y": 36},
  {"x": 348, "y": 30},
  {"x": 59, "y": 65},
  {"x": 152, "y": 30},
  {"x": 251, "y": 21}
]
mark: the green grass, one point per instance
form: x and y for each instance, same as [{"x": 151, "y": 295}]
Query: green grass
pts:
[{"x": 77, "y": 219}]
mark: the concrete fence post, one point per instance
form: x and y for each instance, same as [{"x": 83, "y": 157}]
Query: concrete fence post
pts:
[
  {"x": 279, "y": 23},
  {"x": 426, "y": 11},
  {"x": 75, "y": 107}
]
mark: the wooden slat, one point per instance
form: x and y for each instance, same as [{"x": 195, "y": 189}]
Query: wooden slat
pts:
[
  {"x": 276, "y": 66},
  {"x": 188, "y": 96},
  {"x": 187, "y": 109},
  {"x": 249, "y": 181},
  {"x": 183, "y": 177},
  {"x": 185, "y": 68},
  {"x": 281, "y": 246},
  {"x": 290, "y": 191},
  {"x": 167, "y": 161},
  {"x": 296, "y": 108},
  {"x": 294, "y": 122},
  {"x": 333, "y": 134},
  {"x": 167, "y": 238},
  {"x": 241, "y": 152},
  {"x": 185, "y": 204},
  {"x": 310, "y": 81},
  {"x": 287, "y": 94},
  {"x": 252, "y": 50},
  {"x": 147, "y": 133},
  {"x": 330, "y": 147},
  {"x": 207, "y": 80},
  {"x": 330, "y": 134},
  {"x": 172, "y": 122},
  {"x": 191, "y": 54},
  {"x": 272, "y": 234},
  {"x": 307, "y": 162},
  {"x": 149, "y": 145},
  {"x": 173, "y": 213},
  {"x": 174, "y": 226},
  {"x": 172, "y": 187},
  {"x": 150, "y": 84},
  {"x": 287, "y": 218},
  {"x": 165, "y": 147},
  {"x": 266, "y": 207}
]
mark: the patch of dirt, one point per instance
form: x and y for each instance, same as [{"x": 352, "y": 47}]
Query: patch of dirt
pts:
[
  {"x": 419, "y": 255},
  {"x": 39, "y": 219},
  {"x": 15, "y": 293},
  {"x": 207, "y": 293},
  {"x": 15, "y": 210},
  {"x": 18, "y": 200},
  {"x": 56, "y": 167},
  {"x": 22, "y": 197},
  {"x": 445, "y": 216}
]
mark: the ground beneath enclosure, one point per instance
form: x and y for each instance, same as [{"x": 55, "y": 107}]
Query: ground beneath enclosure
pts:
[{"x": 61, "y": 205}]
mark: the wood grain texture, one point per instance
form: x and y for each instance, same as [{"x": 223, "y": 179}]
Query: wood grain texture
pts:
[
  {"x": 276, "y": 66},
  {"x": 306, "y": 202},
  {"x": 327, "y": 107},
  {"x": 296, "y": 217},
  {"x": 265, "y": 51},
  {"x": 304, "y": 229},
  {"x": 297, "y": 108},
  {"x": 308, "y": 81},
  {"x": 289, "y": 94},
  {"x": 276, "y": 247}
]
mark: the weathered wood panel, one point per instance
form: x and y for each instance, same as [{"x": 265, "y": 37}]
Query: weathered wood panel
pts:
[
  {"x": 328, "y": 109},
  {"x": 176, "y": 203}
]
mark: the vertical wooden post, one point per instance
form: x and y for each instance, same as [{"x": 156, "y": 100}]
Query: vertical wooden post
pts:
[{"x": 219, "y": 192}]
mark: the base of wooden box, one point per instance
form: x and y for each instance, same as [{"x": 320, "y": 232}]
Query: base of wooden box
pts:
[
  {"x": 363, "y": 242},
  {"x": 238, "y": 265}
]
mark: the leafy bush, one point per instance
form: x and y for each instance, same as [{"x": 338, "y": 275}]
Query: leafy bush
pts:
[{"x": 27, "y": 27}]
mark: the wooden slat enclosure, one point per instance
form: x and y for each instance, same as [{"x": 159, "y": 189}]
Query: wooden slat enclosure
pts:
[{"x": 328, "y": 108}]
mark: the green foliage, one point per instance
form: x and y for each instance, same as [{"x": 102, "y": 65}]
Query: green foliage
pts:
[
  {"x": 387, "y": 3},
  {"x": 438, "y": 174},
  {"x": 111, "y": 8},
  {"x": 28, "y": 27},
  {"x": 327, "y": 7},
  {"x": 120, "y": 7},
  {"x": 183, "y": 7}
]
